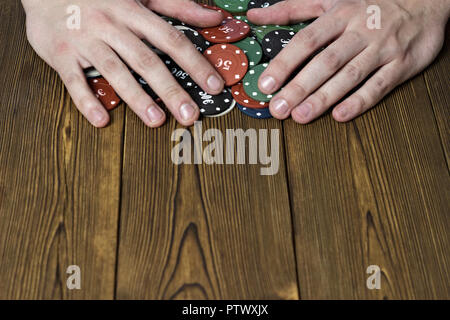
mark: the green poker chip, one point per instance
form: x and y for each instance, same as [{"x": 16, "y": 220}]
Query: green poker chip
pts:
[
  {"x": 244, "y": 19},
  {"x": 250, "y": 83},
  {"x": 252, "y": 49},
  {"x": 261, "y": 31},
  {"x": 233, "y": 6},
  {"x": 299, "y": 26}
]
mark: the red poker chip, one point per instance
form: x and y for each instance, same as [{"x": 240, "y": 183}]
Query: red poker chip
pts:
[
  {"x": 226, "y": 14},
  {"x": 230, "y": 61},
  {"x": 98, "y": 80},
  {"x": 243, "y": 99},
  {"x": 230, "y": 30},
  {"x": 105, "y": 93}
]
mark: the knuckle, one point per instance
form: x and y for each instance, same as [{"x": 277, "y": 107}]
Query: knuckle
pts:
[
  {"x": 308, "y": 37},
  {"x": 99, "y": 18},
  {"x": 298, "y": 88},
  {"x": 146, "y": 61},
  {"x": 110, "y": 65},
  {"x": 322, "y": 97},
  {"x": 331, "y": 60},
  {"x": 354, "y": 37},
  {"x": 177, "y": 39},
  {"x": 173, "y": 91},
  {"x": 61, "y": 48},
  {"x": 131, "y": 4},
  {"x": 360, "y": 103},
  {"x": 71, "y": 78},
  {"x": 279, "y": 66},
  {"x": 353, "y": 72},
  {"x": 381, "y": 84},
  {"x": 87, "y": 104}
]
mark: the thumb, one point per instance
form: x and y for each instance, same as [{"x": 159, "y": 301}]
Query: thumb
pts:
[
  {"x": 187, "y": 11},
  {"x": 287, "y": 12}
]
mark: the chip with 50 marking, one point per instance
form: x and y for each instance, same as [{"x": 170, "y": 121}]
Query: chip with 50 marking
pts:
[
  {"x": 229, "y": 60},
  {"x": 180, "y": 75}
]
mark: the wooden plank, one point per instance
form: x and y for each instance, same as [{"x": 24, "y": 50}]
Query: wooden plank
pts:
[
  {"x": 438, "y": 85},
  {"x": 371, "y": 192},
  {"x": 59, "y": 180},
  {"x": 202, "y": 231}
]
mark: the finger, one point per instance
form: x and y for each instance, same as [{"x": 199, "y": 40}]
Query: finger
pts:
[
  {"x": 350, "y": 76},
  {"x": 187, "y": 11},
  {"x": 375, "y": 89},
  {"x": 73, "y": 77},
  {"x": 303, "y": 45},
  {"x": 114, "y": 70},
  {"x": 287, "y": 12},
  {"x": 177, "y": 45},
  {"x": 319, "y": 70},
  {"x": 147, "y": 64}
]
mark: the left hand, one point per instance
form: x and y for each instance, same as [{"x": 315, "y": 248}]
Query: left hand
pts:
[{"x": 410, "y": 37}]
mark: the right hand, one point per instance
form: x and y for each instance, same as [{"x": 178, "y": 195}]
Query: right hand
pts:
[{"x": 111, "y": 31}]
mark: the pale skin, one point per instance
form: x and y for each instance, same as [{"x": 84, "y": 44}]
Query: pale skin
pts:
[
  {"x": 111, "y": 31},
  {"x": 411, "y": 36}
]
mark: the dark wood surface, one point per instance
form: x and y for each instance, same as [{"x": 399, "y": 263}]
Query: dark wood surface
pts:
[{"x": 374, "y": 191}]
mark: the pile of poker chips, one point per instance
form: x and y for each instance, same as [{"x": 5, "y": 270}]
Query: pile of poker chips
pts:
[{"x": 240, "y": 52}]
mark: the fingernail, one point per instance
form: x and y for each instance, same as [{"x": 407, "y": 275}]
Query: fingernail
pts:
[
  {"x": 342, "y": 111},
  {"x": 280, "y": 106},
  {"x": 304, "y": 109},
  {"x": 267, "y": 83},
  {"x": 154, "y": 114},
  {"x": 98, "y": 117},
  {"x": 214, "y": 83},
  {"x": 187, "y": 112}
]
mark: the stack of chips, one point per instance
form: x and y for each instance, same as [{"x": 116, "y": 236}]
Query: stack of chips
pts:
[{"x": 240, "y": 52}]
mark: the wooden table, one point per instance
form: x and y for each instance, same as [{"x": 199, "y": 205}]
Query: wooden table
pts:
[{"x": 374, "y": 191}]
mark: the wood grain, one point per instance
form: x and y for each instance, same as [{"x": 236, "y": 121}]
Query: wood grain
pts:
[
  {"x": 438, "y": 85},
  {"x": 371, "y": 192},
  {"x": 202, "y": 231},
  {"x": 59, "y": 180}
]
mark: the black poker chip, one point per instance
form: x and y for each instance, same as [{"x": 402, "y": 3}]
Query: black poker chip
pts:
[
  {"x": 275, "y": 41},
  {"x": 200, "y": 43},
  {"x": 255, "y": 4},
  {"x": 145, "y": 85},
  {"x": 179, "y": 74},
  {"x": 212, "y": 105},
  {"x": 172, "y": 21}
]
